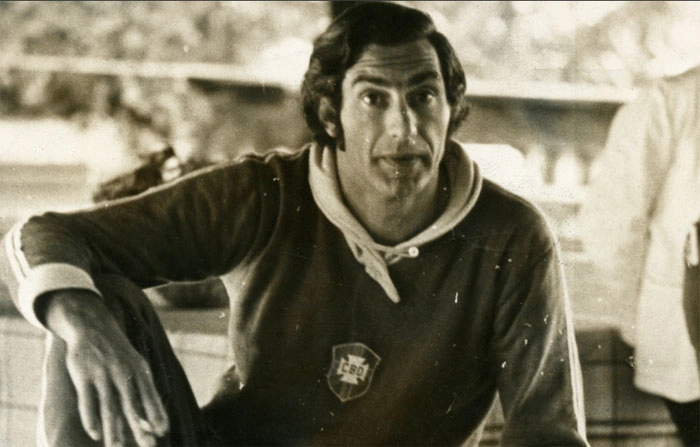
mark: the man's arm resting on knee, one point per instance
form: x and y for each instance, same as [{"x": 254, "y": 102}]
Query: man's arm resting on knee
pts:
[{"x": 113, "y": 382}]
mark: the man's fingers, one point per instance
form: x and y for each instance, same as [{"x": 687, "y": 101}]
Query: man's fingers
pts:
[
  {"x": 133, "y": 402},
  {"x": 121, "y": 433},
  {"x": 142, "y": 435},
  {"x": 153, "y": 406},
  {"x": 88, "y": 410},
  {"x": 112, "y": 419}
]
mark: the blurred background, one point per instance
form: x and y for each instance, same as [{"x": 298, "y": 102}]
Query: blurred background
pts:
[
  {"x": 95, "y": 89},
  {"x": 103, "y": 98}
]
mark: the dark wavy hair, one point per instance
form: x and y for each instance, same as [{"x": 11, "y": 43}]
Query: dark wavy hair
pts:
[{"x": 381, "y": 23}]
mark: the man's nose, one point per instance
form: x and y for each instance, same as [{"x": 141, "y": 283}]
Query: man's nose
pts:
[{"x": 402, "y": 121}]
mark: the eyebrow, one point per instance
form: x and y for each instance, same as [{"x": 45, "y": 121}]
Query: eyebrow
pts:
[{"x": 413, "y": 80}]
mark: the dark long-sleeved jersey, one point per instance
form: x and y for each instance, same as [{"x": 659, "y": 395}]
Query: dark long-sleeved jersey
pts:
[{"x": 322, "y": 356}]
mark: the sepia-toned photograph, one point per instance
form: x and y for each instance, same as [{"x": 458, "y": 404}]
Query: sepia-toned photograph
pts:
[{"x": 356, "y": 223}]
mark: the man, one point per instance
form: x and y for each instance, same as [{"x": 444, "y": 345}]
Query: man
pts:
[
  {"x": 641, "y": 206},
  {"x": 381, "y": 291}
]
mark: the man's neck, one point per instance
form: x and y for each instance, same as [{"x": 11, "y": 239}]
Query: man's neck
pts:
[{"x": 391, "y": 220}]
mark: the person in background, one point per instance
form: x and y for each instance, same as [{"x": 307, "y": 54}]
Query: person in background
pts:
[
  {"x": 641, "y": 205},
  {"x": 691, "y": 288},
  {"x": 381, "y": 291}
]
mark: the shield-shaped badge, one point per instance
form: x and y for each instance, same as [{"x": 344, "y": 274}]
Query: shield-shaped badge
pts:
[{"x": 351, "y": 371}]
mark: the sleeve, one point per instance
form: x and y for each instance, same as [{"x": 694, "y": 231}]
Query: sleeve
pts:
[
  {"x": 197, "y": 227},
  {"x": 535, "y": 354},
  {"x": 621, "y": 196}
]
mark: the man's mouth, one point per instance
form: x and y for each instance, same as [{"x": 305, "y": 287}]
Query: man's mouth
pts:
[{"x": 400, "y": 162}]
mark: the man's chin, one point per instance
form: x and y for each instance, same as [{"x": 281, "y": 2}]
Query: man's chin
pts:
[{"x": 402, "y": 188}]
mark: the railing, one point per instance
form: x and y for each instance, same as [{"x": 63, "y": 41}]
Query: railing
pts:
[{"x": 542, "y": 92}]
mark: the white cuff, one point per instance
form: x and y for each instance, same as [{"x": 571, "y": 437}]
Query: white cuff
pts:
[{"x": 47, "y": 278}]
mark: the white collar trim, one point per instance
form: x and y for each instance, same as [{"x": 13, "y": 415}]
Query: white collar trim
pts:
[{"x": 465, "y": 186}]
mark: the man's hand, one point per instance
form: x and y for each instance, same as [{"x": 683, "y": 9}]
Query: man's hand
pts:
[{"x": 115, "y": 390}]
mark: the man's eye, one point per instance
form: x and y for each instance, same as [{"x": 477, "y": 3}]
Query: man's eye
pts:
[
  {"x": 372, "y": 99},
  {"x": 424, "y": 97}
]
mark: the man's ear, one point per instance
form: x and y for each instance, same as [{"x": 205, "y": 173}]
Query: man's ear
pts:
[{"x": 328, "y": 116}]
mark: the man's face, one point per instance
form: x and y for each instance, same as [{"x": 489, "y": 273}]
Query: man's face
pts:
[{"x": 394, "y": 118}]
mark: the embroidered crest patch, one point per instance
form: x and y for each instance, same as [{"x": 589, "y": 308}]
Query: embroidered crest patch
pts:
[{"x": 351, "y": 371}]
